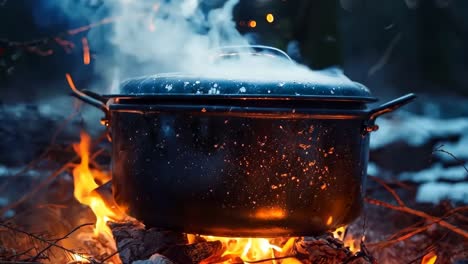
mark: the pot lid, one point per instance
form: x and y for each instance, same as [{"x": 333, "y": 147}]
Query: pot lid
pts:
[
  {"x": 190, "y": 85},
  {"x": 265, "y": 77}
]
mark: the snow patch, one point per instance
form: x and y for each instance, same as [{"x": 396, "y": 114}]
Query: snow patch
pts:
[
  {"x": 433, "y": 192},
  {"x": 417, "y": 130},
  {"x": 435, "y": 173}
]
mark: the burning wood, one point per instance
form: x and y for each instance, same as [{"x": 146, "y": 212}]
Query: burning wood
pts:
[{"x": 135, "y": 242}]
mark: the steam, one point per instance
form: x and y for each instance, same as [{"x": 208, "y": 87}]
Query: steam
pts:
[{"x": 152, "y": 37}]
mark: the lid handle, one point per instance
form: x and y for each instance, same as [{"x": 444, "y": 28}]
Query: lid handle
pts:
[{"x": 256, "y": 50}]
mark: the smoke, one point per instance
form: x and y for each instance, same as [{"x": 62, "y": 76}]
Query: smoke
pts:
[{"x": 151, "y": 37}]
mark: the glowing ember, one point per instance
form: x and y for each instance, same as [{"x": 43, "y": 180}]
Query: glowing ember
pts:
[
  {"x": 270, "y": 18},
  {"x": 86, "y": 57},
  {"x": 430, "y": 258}
]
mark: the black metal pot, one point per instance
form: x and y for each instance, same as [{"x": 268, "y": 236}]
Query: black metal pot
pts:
[{"x": 239, "y": 157}]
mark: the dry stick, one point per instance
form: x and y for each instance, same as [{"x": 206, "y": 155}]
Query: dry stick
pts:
[
  {"x": 408, "y": 229},
  {"x": 20, "y": 254},
  {"x": 424, "y": 253},
  {"x": 460, "y": 217},
  {"x": 43, "y": 184},
  {"x": 71, "y": 32},
  {"x": 113, "y": 254},
  {"x": 401, "y": 238},
  {"x": 51, "y": 178},
  {"x": 33, "y": 163},
  {"x": 29, "y": 166},
  {"x": 41, "y": 239},
  {"x": 60, "y": 239},
  {"x": 408, "y": 210},
  {"x": 403, "y": 206},
  {"x": 390, "y": 190},
  {"x": 461, "y": 162},
  {"x": 18, "y": 262}
]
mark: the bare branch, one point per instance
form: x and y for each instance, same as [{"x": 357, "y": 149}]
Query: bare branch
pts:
[
  {"x": 60, "y": 239},
  {"x": 390, "y": 190},
  {"x": 461, "y": 162},
  {"x": 38, "y": 238},
  {"x": 421, "y": 214}
]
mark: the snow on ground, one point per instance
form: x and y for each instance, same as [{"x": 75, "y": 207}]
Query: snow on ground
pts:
[
  {"x": 438, "y": 181},
  {"x": 417, "y": 130},
  {"x": 435, "y": 173},
  {"x": 436, "y": 191}
]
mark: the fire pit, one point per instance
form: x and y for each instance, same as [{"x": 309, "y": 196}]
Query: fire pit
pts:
[{"x": 234, "y": 156}]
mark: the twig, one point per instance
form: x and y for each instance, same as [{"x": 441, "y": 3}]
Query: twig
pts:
[
  {"x": 421, "y": 214},
  {"x": 461, "y": 162},
  {"x": 456, "y": 214},
  {"x": 399, "y": 239},
  {"x": 425, "y": 252},
  {"x": 18, "y": 262},
  {"x": 60, "y": 239},
  {"x": 113, "y": 254},
  {"x": 20, "y": 254},
  {"x": 44, "y": 183},
  {"x": 390, "y": 190},
  {"x": 43, "y": 41},
  {"x": 40, "y": 239},
  {"x": 31, "y": 165}
]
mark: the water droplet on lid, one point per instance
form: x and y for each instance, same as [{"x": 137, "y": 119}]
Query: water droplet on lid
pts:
[{"x": 168, "y": 87}]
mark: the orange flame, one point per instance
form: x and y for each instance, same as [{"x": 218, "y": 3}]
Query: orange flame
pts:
[
  {"x": 348, "y": 240},
  {"x": 84, "y": 181},
  {"x": 429, "y": 258},
  {"x": 251, "y": 249},
  {"x": 78, "y": 258},
  {"x": 86, "y": 57}
]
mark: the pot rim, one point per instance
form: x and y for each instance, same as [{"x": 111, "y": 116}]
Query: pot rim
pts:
[{"x": 254, "y": 97}]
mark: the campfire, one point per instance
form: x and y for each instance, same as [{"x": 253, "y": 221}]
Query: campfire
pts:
[
  {"x": 229, "y": 153},
  {"x": 118, "y": 238},
  {"x": 224, "y": 249}
]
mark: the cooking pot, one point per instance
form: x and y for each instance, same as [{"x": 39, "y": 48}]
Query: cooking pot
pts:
[{"x": 240, "y": 157}]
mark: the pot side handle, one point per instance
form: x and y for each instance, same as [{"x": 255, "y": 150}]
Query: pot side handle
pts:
[
  {"x": 95, "y": 100},
  {"x": 388, "y": 107},
  {"x": 91, "y": 98}
]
